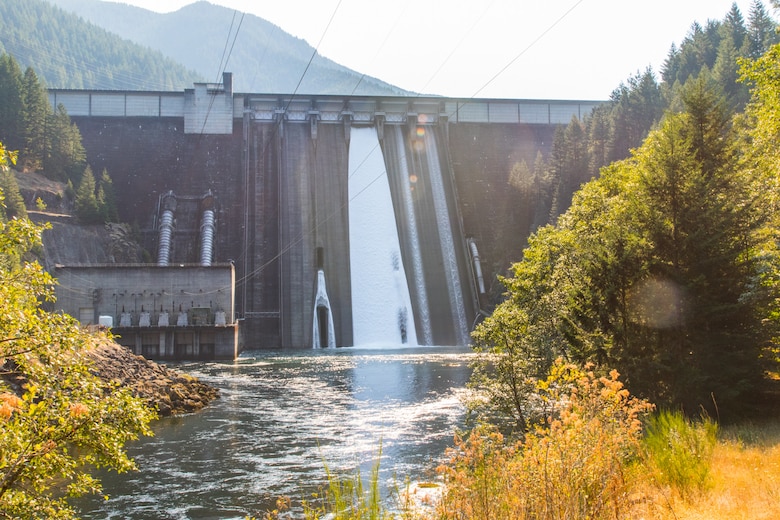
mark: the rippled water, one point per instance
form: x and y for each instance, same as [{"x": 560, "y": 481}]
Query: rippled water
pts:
[{"x": 281, "y": 417}]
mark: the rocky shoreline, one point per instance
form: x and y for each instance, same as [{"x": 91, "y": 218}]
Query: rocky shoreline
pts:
[{"x": 169, "y": 391}]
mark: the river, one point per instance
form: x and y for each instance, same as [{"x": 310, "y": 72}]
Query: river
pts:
[{"x": 281, "y": 418}]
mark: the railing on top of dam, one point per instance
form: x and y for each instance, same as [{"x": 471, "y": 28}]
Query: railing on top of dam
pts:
[
  {"x": 423, "y": 110},
  {"x": 312, "y": 108}
]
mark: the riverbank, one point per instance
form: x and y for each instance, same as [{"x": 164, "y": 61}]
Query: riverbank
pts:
[{"x": 169, "y": 391}]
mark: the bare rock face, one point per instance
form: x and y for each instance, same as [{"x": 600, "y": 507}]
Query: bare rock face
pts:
[{"x": 169, "y": 391}]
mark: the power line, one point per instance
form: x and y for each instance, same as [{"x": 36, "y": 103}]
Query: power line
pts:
[
  {"x": 455, "y": 48},
  {"x": 299, "y": 238},
  {"x": 313, "y": 54},
  {"x": 527, "y": 48}
]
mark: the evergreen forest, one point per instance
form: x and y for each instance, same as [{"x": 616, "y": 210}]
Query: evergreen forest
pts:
[
  {"x": 613, "y": 129},
  {"x": 68, "y": 52},
  {"x": 45, "y": 140},
  {"x": 658, "y": 254}
]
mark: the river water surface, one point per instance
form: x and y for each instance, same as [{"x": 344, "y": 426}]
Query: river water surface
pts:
[{"x": 281, "y": 417}]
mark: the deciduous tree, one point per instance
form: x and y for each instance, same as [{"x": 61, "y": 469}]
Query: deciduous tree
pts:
[{"x": 57, "y": 420}]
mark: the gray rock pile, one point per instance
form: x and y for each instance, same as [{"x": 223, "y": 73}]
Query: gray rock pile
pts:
[{"x": 171, "y": 392}]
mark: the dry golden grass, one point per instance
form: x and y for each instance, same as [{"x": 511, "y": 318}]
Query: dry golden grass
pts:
[{"x": 745, "y": 481}]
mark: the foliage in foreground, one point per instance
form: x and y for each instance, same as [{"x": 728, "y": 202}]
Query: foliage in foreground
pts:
[
  {"x": 571, "y": 466},
  {"x": 741, "y": 482},
  {"x": 679, "y": 450},
  {"x": 57, "y": 419},
  {"x": 344, "y": 498}
]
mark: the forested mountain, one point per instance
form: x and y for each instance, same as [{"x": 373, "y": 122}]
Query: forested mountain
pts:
[
  {"x": 262, "y": 57},
  {"x": 666, "y": 265},
  {"x": 68, "y": 52},
  {"x": 710, "y": 52}
]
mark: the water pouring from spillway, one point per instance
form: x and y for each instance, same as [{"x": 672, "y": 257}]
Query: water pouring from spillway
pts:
[{"x": 381, "y": 305}]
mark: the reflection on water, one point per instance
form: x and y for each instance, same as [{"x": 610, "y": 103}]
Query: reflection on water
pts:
[{"x": 281, "y": 417}]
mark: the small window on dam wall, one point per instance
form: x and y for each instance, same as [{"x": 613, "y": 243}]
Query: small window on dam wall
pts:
[{"x": 320, "y": 253}]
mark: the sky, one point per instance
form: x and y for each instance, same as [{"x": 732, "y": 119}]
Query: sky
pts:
[{"x": 516, "y": 49}]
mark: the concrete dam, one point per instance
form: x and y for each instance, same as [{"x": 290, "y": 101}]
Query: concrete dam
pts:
[{"x": 348, "y": 220}]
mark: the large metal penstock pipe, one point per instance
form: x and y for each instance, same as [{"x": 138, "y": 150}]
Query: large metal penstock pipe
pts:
[
  {"x": 207, "y": 230},
  {"x": 207, "y": 238},
  {"x": 477, "y": 265},
  {"x": 166, "y": 230}
]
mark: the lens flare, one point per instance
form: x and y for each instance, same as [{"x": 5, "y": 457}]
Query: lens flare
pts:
[{"x": 658, "y": 303}]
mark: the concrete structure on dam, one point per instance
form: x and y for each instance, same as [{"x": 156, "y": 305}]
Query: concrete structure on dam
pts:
[
  {"x": 272, "y": 184},
  {"x": 161, "y": 312}
]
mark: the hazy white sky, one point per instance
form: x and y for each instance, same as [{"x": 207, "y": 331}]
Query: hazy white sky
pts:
[{"x": 556, "y": 49}]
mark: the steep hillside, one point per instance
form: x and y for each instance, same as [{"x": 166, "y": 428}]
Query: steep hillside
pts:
[
  {"x": 263, "y": 57},
  {"x": 69, "y": 242},
  {"x": 68, "y": 52}
]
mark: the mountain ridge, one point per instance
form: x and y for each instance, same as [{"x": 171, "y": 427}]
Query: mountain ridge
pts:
[
  {"x": 66, "y": 51},
  {"x": 201, "y": 35}
]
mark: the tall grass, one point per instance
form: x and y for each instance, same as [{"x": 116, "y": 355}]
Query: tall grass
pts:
[
  {"x": 679, "y": 450},
  {"x": 743, "y": 480},
  {"x": 348, "y": 498}
]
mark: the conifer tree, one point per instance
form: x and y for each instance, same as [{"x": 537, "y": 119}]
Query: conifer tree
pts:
[
  {"x": 762, "y": 33},
  {"x": 107, "y": 198},
  {"x": 35, "y": 113},
  {"x": 11, "y": 102},
  {"x": 14, "y": 202},
  {"x": 650, "y": 269},
  {"x": 65, "y": 156},
  {"x": 734, "y": 27},
  {"x": 86, "y": 203}
]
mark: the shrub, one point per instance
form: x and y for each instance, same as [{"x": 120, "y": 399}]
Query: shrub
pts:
[
  {"x": 572, "y": 466},
  {"x": 477, "y": 477}
]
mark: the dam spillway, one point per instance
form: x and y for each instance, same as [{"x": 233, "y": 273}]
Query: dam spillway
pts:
[
  {"x": 381, "y": 308},
  {"x": 327, "y": 219},
  {"x": 279, "y": 167}
]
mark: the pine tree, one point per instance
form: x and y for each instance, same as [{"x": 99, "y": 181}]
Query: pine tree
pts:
[
  {"x": 65, "y": 156},
  {"x": 11, "y": 102},
  {"x": 598, "y": 129},
  {"x": 726, "y": 74},
  {"x": 762, "y": 32},
  {"x": 671, "y": 67},
  {"x": 733, "y": 27},
  {"x": 35, "y": 113},
  {"x": 635, "y": 108},
  {"x": 107, "y": 201},
  {"x": 14, "y": 202},
  {"x": 86, "y": 204}
]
